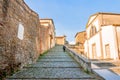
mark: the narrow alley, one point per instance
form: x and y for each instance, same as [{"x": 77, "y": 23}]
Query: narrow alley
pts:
[{"x": 53, "y": 65}]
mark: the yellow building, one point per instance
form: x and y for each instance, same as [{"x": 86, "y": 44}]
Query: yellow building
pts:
[
  {"x": 60, "y": 40},
  {"x": 79, "y": 42},
  {"x": 47, "y": 33},
  {"x": 80, "y": 38}
]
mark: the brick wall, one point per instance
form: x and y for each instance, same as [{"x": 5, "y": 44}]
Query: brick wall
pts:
[{"x": 16, "y": 48}]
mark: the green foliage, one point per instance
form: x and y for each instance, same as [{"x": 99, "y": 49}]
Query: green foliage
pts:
[
  {"x": 87, "y": 71},
  {"x": 43, "y": 54},
  {"x": 9, "y": 70},
  {"x": 3, "y": 74}
]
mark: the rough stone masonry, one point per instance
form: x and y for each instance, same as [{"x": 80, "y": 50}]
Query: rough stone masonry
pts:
[{"x": 19, "y": 35}]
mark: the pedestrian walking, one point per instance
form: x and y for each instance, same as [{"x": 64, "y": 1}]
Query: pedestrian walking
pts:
[{"x": 64, "y": 48}]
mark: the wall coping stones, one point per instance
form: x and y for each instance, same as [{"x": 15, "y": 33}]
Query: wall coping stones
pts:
[{"x": 84, "y": 62}]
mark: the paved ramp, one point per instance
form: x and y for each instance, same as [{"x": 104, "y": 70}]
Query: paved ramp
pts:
[
  {"x": 106, "y": 74},
  {"x": 55, "y": 65}
]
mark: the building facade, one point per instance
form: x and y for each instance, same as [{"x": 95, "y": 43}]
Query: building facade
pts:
[
  {"x": 79, "y": 42},
  {"x": 60, "y": 40},
  {"x": 80, "y": 37},
  {"x": 47, "y": 33},
  {"x": 103, "y": 36}
]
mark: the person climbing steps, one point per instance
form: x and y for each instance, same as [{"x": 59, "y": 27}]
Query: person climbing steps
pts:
[{"x": 63, "y": 48}]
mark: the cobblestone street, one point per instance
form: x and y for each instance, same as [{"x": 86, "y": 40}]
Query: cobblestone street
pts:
[{"x": 54, "y": 65}]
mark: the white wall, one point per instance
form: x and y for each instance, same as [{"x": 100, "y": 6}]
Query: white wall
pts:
[
  {"x": 91, "y": 19},
  {"x": 95, "y": 40},
  {"x": 96, "y": 23},
  {"x": 109, "y": 37},
  {"x": 118, "y": 38}
]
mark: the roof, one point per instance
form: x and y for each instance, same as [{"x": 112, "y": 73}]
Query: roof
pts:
[
  {"x": 60, "y": 36},
  {"x": 105, "y": 13},
  {"x": 79, "y": 32},
  {"x": 99, "y": 13},
  {"x": 45, "y": 19}
]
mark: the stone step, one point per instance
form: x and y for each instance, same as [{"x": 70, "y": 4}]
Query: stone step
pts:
[
  {"x": 61, "y": 53},
  {"x": 62, "y": 60},
  {"x": 56, "y": 57},
  {"x": 41, "y": 73},
  {"x": 53, "y": 79},
  {"x": 55, "y": 64}
]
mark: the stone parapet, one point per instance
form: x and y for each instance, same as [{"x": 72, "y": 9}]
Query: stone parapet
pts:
[{"x": 85, "y": 63}]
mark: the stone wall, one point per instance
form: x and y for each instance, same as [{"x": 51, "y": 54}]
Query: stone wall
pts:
[
  {"x": 84, "y": 62},
  {"x": 19, "y": 35}
]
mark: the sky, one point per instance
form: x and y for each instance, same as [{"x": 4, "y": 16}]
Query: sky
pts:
[{"x": 71, "y": 16}]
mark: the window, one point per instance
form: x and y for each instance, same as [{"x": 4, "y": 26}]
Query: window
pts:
[
  {"x": 93, "y": 31},
  {"x": 107, "y": 50},
  {"x": 20, "y": 31},
  {"x": 94, "y": 55}
]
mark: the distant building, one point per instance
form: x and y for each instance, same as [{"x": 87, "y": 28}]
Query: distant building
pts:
[
  {"x": 60, "y": 40},
  {"x": 47, "y": 33},
  {"x": 79, "y": 42},
  {"x": 80, "y": 38},
  {"x": 103, "y": 36}
]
